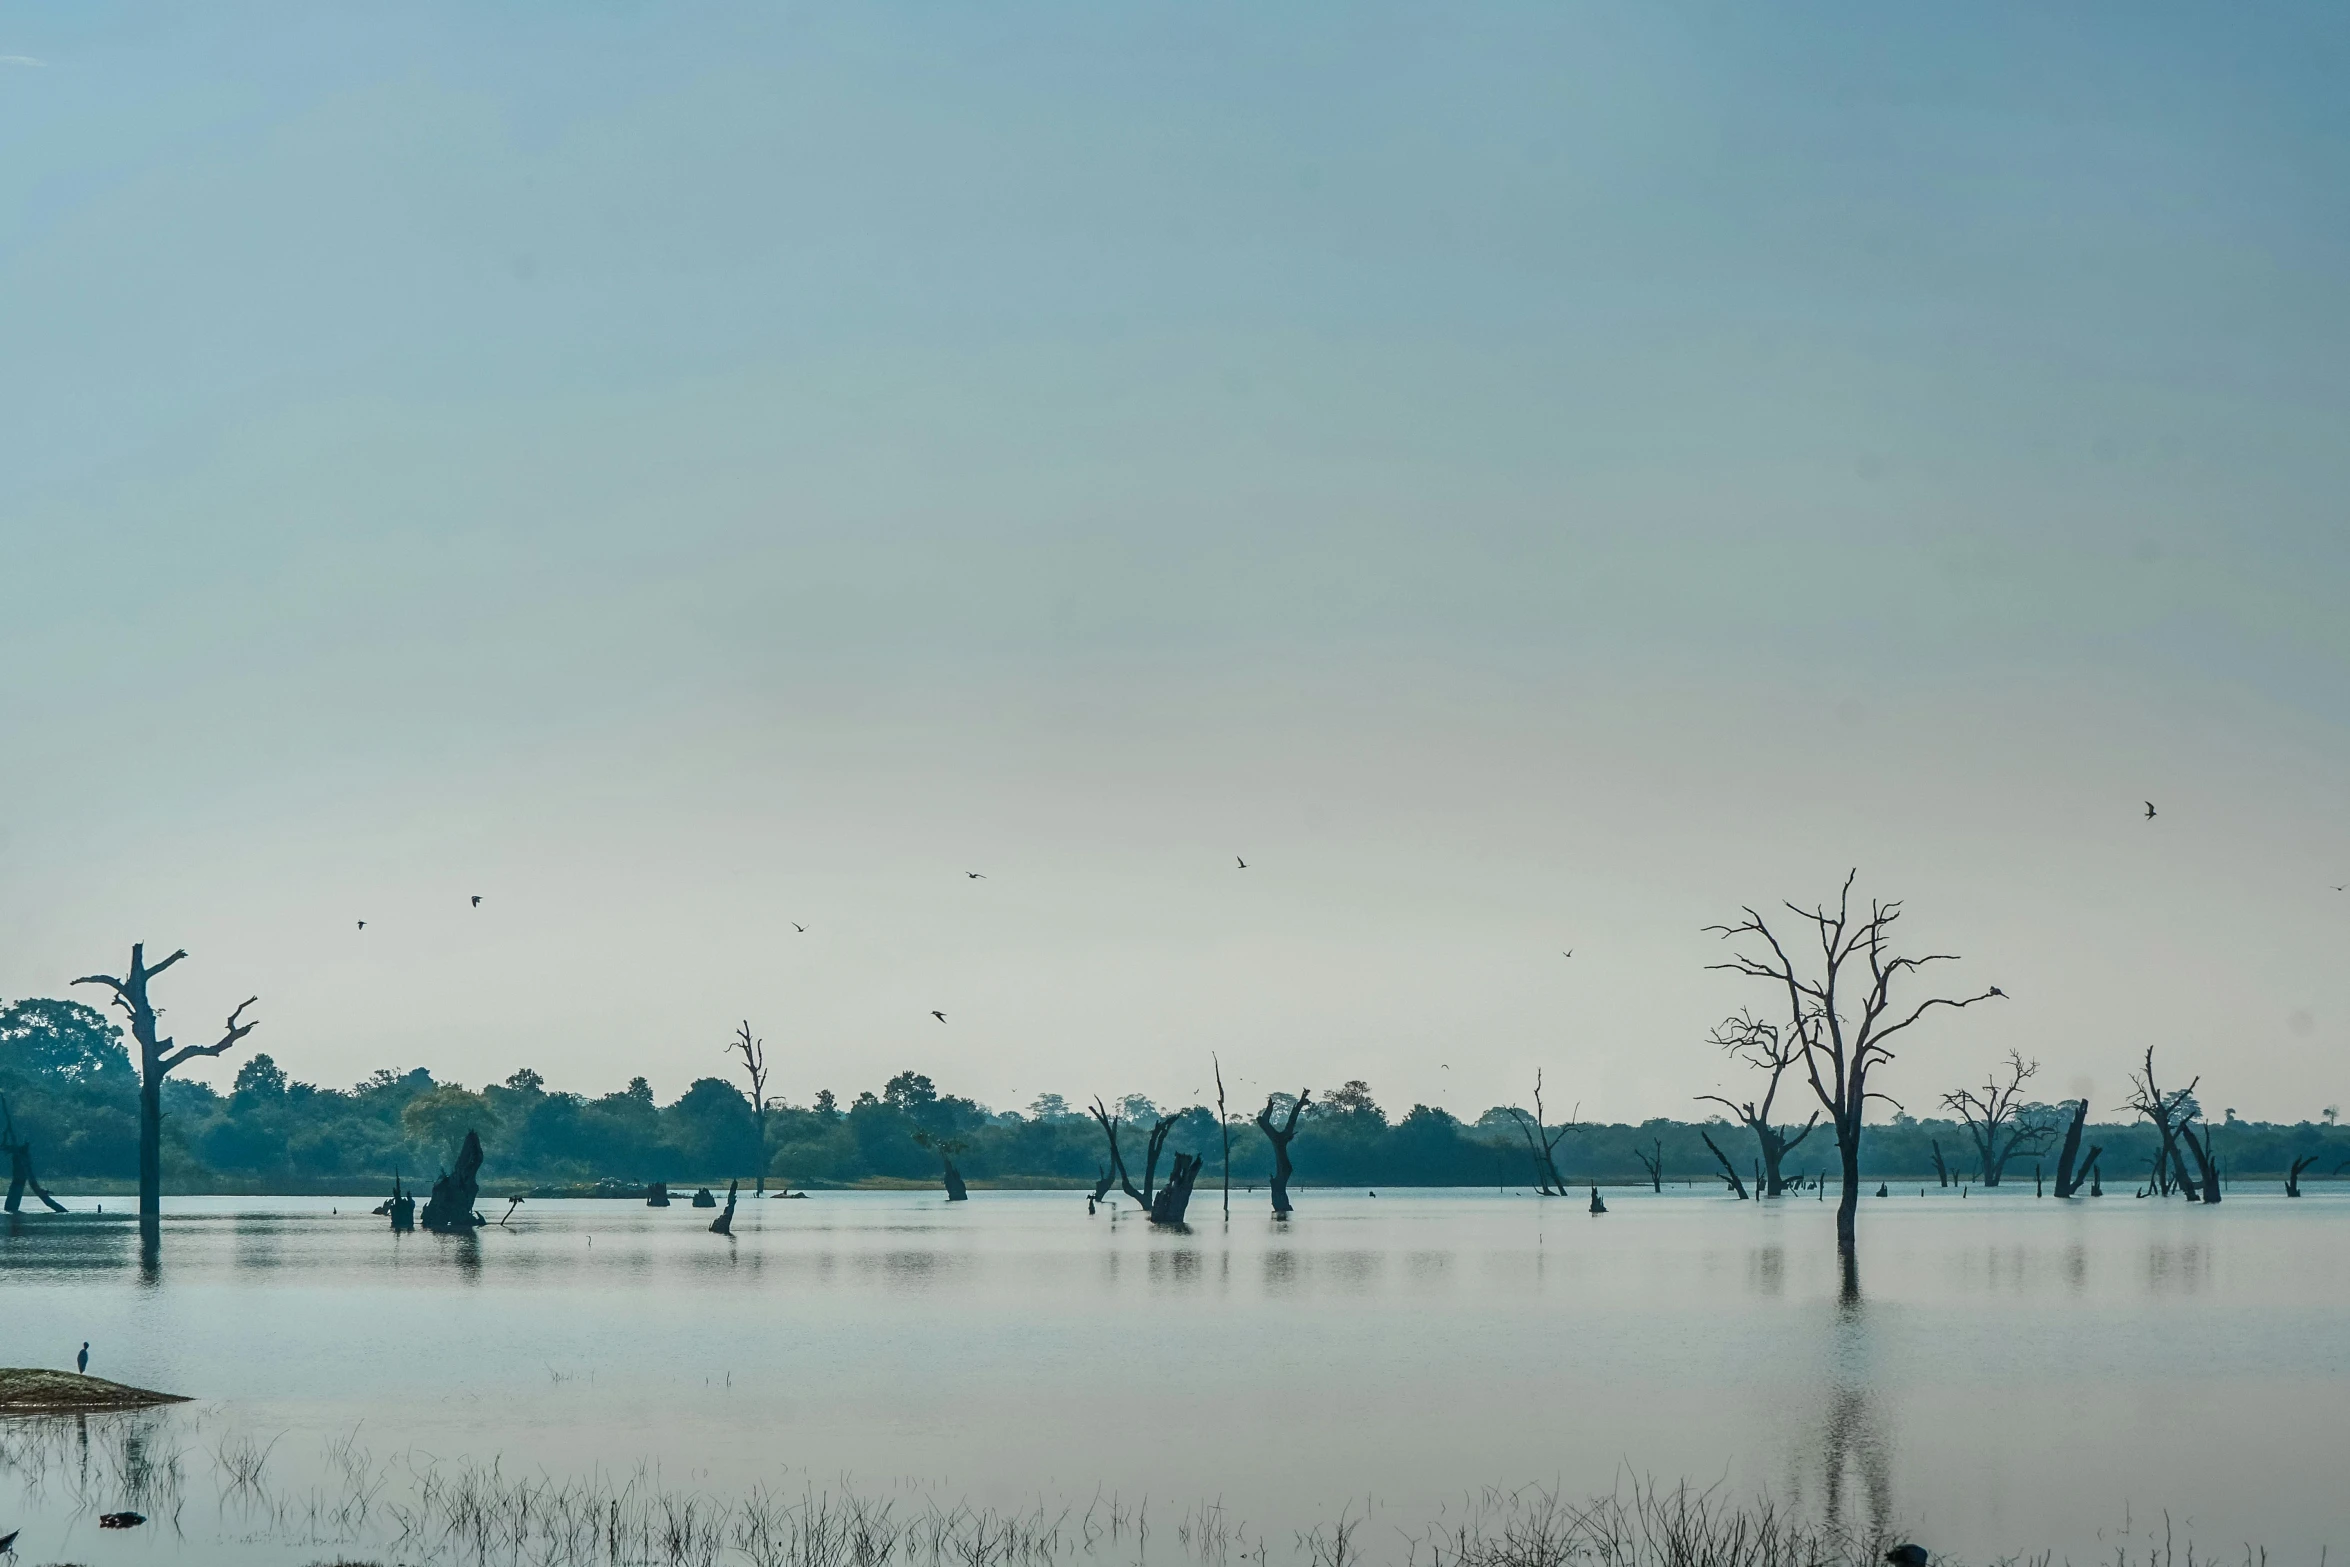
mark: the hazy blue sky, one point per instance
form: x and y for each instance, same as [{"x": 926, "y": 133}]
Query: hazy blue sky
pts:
[{"x": 1525, "y": 477}]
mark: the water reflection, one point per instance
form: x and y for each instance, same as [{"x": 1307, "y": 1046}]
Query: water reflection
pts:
[{"x": 1852, "y": 1441}]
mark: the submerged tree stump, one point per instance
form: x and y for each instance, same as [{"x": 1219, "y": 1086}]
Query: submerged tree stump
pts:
[
  {"x": 20, "y": 1165},
  {"x": 657, "y": 1195},
  {"x": 724, "y": 1223},
  {"x": 1168, "y": 1206},
  {"x": 703, "y": 1199},
  {"x": 449, "y": 1211}
]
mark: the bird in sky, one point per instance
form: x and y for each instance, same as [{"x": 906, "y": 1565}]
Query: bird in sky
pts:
[
  {"x": 941, "y": 1016},
  {"x": 2150, "y": 810},
  {"x": 363, "y": 924},
  {"x": 975, "y": 876},
  {"x": 1243, "y": 863},
  {"x": 802, "y": 929},
  {"x": 1570, "y": 952},
  {"x": 477, "y": 900}
]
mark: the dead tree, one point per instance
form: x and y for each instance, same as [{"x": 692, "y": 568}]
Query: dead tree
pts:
[
  {"x": 1542, "y": 1142},
  {"x": 2292, "y": 1176},
  {"x": 1279, "y": 1137},
  {"x": 1729, "y": 1170},
  {"x": 1653, "y": 1162},
  {"x": 1840, "y": 1051},
  {"x": 754, "y": 1054},
  {"x": 20, "y": 1166},
  {"x": 2000, "y": 1124},
  {"x": 1167, "y": 1204},
  {"x": 724, "y": 1223},
  {"x": 1224, "y": 1123},
  {"x": 2070, "y": 1180},
  {"x": 1941, "y": 1170},
  {"x": 2207, "y": 1166},
  {"x": 946, "y": 1148},
  {"x": 1753, "y": 1042},
  {"x": 157, "y": 1059},
  {"x": 449, "y": 1210},
  {"x": 2167, "y": 1109}
]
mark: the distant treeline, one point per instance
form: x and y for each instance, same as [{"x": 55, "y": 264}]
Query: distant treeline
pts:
[{"x": 74, "y": 1096}]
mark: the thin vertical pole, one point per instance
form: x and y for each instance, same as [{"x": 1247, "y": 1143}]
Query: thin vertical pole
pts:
[{"x": 1225, "y": 1122}]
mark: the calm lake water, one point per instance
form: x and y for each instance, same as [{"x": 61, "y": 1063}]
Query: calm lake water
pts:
[{"x": 2018, "y": 1374}]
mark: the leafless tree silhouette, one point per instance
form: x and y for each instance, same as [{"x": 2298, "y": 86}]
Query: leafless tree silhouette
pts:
[
  {"x": 754, "y": 1054},
  {"x": 1729, "y": 1170},
  {"x": 1165, "y": 1204},
  {"x": 2167, "y": 1109},
  {"x": 157, "y": 1060},
  {"x": 1279, "y": 1137},
  {"x": 1652, "y": 1159},
  {"x": 1542, "y": 1141},
  {"x": 1998, "y": 1120},
  {"x": 1764, "y": 1046},
  {"x": 2205, "y": 1164},
  {"x": 1856, "y": 970},
  {"x": 2293, "y": 1176}
]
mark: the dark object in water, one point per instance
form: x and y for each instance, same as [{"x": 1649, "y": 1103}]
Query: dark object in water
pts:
[
  {"x": 657, "y": 1195},
  {"x": 8, "y": 1542},
  {"x": 1881, "y": 1190},
  {"x": 121, "y": 1520},
  {"x": 1907, "y": 1556},
  {"x": 703, "y": 1199},
  {"x": 449, "y": 1211},
  {"x": 724, "y": 1223},
  {"x": 1596, "y": 1205},
  {"x": 399, "y": 1207}
]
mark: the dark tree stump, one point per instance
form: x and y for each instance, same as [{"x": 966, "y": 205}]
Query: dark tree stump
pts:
[
  {"x": 657, "y": 1195},
  {"x": 703, "y": 1199},
  {"x": 954, "y": 1181},
  {"x": 1173, "y": 1198},
  {"x": 724, "y": 1223},
  {"x": 449, "y": 1211}
]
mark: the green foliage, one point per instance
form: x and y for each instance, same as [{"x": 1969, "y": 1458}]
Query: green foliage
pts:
[{"x": 74, "y": 1093}]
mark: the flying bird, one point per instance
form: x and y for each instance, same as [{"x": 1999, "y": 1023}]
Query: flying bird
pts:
[
  {"x": 2150, "y": 810},
  {"x": 477, "y": 900},
  {"x": 975, "y": 876},
  {"x": 802, "y": 929},
  {"x": 363, "y": 924},
  {"x": 1570, "y": 952},
  {"x": 1243, "y": 863},
  {"x": 941, "y": 1016}
]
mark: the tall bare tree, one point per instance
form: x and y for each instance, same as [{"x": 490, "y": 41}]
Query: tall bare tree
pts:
[
  {"x": 1652, "y": 1159},
  {"x": 1770, "y": 1050},
  {"x": 2168, "y": 1109},
  {"x": 754, "y": 1054},
  {"x": 158, "y": 1059},
  {"x": 1542, "y": 1141},
  {"x": 2001, "y": 1124},
  {"x": 1279, "y": 1137},
  {"x": 1840, "y": 1004}
]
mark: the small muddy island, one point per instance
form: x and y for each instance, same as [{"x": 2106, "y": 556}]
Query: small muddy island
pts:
[{"x": 26, "y": 1391}]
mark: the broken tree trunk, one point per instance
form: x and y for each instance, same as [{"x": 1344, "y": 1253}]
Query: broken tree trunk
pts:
[
  {"x": 724, "y": 1223},
  {"x": 449, "y": 1211},
  {"x": 1729, "y": 1170},
  {"x": 657, "y": 1195},
  {"x": 2203, "y": 1161},
  {"x": 1173, "y": 1198},
  {"x": 1941, "y": 1170},
  {"x": 1279, "y": 1137},
  {"x": 2067, "y": 1182},
  {"x": 20, "y": 1166},
  {"x": 2292, "y": 1179},
  {"x": 954, "y": 1178}
]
